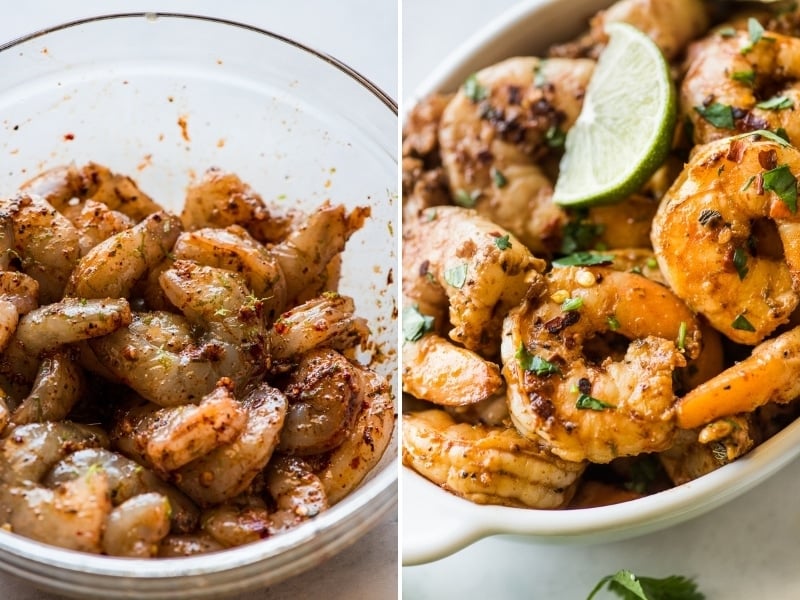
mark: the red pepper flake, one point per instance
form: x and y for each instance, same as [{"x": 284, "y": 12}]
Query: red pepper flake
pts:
[{"x": 68, "y": 137}]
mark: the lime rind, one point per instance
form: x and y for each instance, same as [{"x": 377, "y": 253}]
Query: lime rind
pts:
[{"x": 624, "y": 130}]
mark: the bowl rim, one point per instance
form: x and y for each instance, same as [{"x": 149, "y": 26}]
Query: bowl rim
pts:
[
  {"x": 48, "y": 566},
  {"x": 464, "y": 522}
]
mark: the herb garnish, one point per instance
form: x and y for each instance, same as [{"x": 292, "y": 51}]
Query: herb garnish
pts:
[
  {"x": 632, "y": 587},
  {"x": 719, "y": 115},
  {"x": 456, "y": 276},
  {"x": 466, "y": 199},
  {"x": 474, "y": 90},
  {"x": 587, "y": 402},
  {"x": 682, "y": 336},
  {"x": 580, "y": 233},
  {"x": 415, "y": 324},
  {"x": 572, "y": 304},
  {"x": 535, "y": 364},
  {"x": 583, "y": 259},
  {"x": 740, "y": 261},
  {"x": 613, "y": 323},
  {"x": 499, "y": 179},
  {"x": 776, "y": 103},
  {"x": 747, "y": 77},
  {"x": 555, "y": 137},
  {"x": 756, "y": 32},
  {"x": 781, "y": 181},
  {"x": 742, "y": 324},
  {"x": 502, "y": 242}
]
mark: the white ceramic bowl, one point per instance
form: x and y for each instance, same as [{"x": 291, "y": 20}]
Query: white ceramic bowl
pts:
[
  {"x": 162, "y": 98},
  {"x": 436, "y": 523}
]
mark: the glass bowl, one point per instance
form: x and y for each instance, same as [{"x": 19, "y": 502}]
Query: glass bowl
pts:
[
  {"x": 163, "y": 97},
  {"x": 436, "y": 523}
]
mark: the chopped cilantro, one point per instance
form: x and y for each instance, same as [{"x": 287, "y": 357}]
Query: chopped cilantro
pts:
[
  {"x": 781, "y": 181},
  {"x": 742, "y": 324},
  {"x": 535, "y": 364},
  {"x": 756, "y": 33},
  {"x": 765, "y": 133},
  {"x": 456, "y": 276},
  {"x": 748, "y": 183},
  {"x": 499, "y": 179},
  {"x": 583, "y": 259},
  {"x": 719, "y": 115},
  {"x": 571, "y": 304},
  {"x": 415, "y": 324},
  {"x": 580, "y": 234},
  {"x": 747, "y": 77},
  {"x": 587, "y": 402},
  {"x": 726, "y": 32},
  {"x": 466, "y": 199},
  {"x": 776, "y": 103},
  {"x": 643, "y": 472},
  {"x": 613, "y": 323},
  {"x": 682, "y": 336},
  {"x": 539, "y": 80},
  {"x": 474, "y": 90},
  {"x": 502, "y": 242},
  {"x": 632, "y": 587},
  {"x": 781, "y": 133},
  {"x": 555, "y": 137},
  {"x": 740, "y": 261}
]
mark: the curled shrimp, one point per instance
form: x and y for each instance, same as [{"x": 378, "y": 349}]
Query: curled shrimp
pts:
[
  {"x": 298, "y": 493},
  {"x": 347, "y": 465},
  {"x": 487, "y": 465},
  {"x": 45, "y": 243},
  {"x": 127, "y": 479},
  {"x": 67, "y": 187},
  {"x": 730, "y": 83},
  {"x": 168, "y": 438},
  {"x": 111, "y": 268},
  {"x": 324, "y": 398},
  {"x": 582, "y": 408},
  {"x": 136, "y": 527},
  {"x": 437, "y": 370},
  {"x": 228, "y": 470},
  {"x": 458, "y": 259},
  {"x": 499, "y": 124},
  {"x": 19, "y": 295},
  {"x": 96, "y": 223},
  {"x": 58, "y": 386},
  {"x": 242, "y": 520},
  {"x": 714, "y": 237}
]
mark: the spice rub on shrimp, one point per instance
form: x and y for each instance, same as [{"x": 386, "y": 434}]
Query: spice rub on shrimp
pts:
[
  {"x": 487, "y": 465},
  {"x": 743, "y": 82},
  {"x": 458, "y": 259},
  {"x": 727, "y": 236},
  {"x": 502, "y": 121},
  {"x": 598, "y": 409}
]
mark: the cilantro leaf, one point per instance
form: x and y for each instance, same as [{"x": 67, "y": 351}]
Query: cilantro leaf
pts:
[
  {"x": 572, "y": 304},
  {"x": 499, "y": 179},
  {"x": 740, "y": 262},
  {"x": 555, "y": 137},
  {"x": 781, "y": 181},
  {"x": 583, "y": 259},
  {"x": 766, "y": 134},
  {"x": 456, "y": 276},
  {"x": 742, "y": 324},
  {"x": 474, "y": 90},
  {"x": 776, "y": 103},
  {"x": 535, "y": 364},
  {"x": 681, "y": 343},
  {"x": 580, "y": 233},
  {"x": 756, "y": 33},
  {"x": 747, "y": 77},
  {"x": 466, "y": 199},
  {"x": 587, "y": 402},
  {"x": 719, "y": 115},
  {"x": 502, "y": 242},
  {"x": 415, "y": 324},
  {"x": 631, "y": 587}
]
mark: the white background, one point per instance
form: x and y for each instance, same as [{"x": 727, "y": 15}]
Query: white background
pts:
[
  {"x": 747, "y": 549},
  {"x": 362, "y": 34}
]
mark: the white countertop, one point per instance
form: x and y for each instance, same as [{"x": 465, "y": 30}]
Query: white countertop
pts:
[
  {"x": 746, "y": 549},
  {"x": 362, "y": 34}
]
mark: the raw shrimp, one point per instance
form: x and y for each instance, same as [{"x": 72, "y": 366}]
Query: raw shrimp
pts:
[
  {"x": 168, "y": 438},
  {"x": 502, "y": 121},
  {"x": 737, "y": 84},
  {"x": 126, "y": 479},
  {"x": 19, "y": 295},
  {"x": 66, "y": 187},
  {"x": 437, "y": 370},
  {"x": 718, "y": 233},
  {"x": 45, "y": 243},
  {"x": 487, "y": 465},
  {"x": 242, "y": 520},
  {"x": 587, "y": 408},
  {"x": 671, "y": 24},
  {"x": 327, "y": 321},
  {"x": 221, "y": 199},
  {"x": 347, "y": 465},
  {"x": 111, "y": 268},
  {"x": 324, "y": 395},
  {"x": 457, "y": 258},
  {"x": 136, "y": 527},
  {"x": 234, "y": 249},
  {"x": 298, "y": 493},
  {"x": 96, "y": 223},
  {"x": 58, "y": 386},
  {"x": 769, "y": 374},
  {"x": 228, "y": 470}
]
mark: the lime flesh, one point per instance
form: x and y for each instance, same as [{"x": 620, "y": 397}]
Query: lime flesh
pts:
[{"x": 624, "y": 129}]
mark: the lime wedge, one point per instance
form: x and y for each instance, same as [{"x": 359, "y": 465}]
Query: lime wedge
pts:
[{"x": 624, "y": 129}]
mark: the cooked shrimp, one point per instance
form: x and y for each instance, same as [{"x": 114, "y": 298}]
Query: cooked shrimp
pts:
[
  {"x": 327, "y": 321},
  {"x": 586, "y": 410},
  {"x": 228, "y": 470},
  {"x": 96, "y": 223},
  {"x": 769, "y": 374},
  {"x": 671, "y": 24},
  {"x": 58, "y": 386},
  {"x": 324, "y": 395},
  {"x": 136, "y": 527},
  {"x": 111, "y": 268},
  {"x": 737, "y": 84},
  {"x": 437, "y": 370},
  {"x": 66, "y": 187},
  {"x": 168, "y": 438},
  {"x": 715, "y": 240},
  {"x": 126, "y": 479},
  {"x": 298, "y": 494},
  {"x": 347, "y": 465},
  {"x": 45, "y": 243},
  {"x": 456, "y": 256},
  {"x": 495, "y": 130},
  {"x": 221, "y": 199},
  {"x": 487, "y": 465},
  {"x": 19, "y": 295}
]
